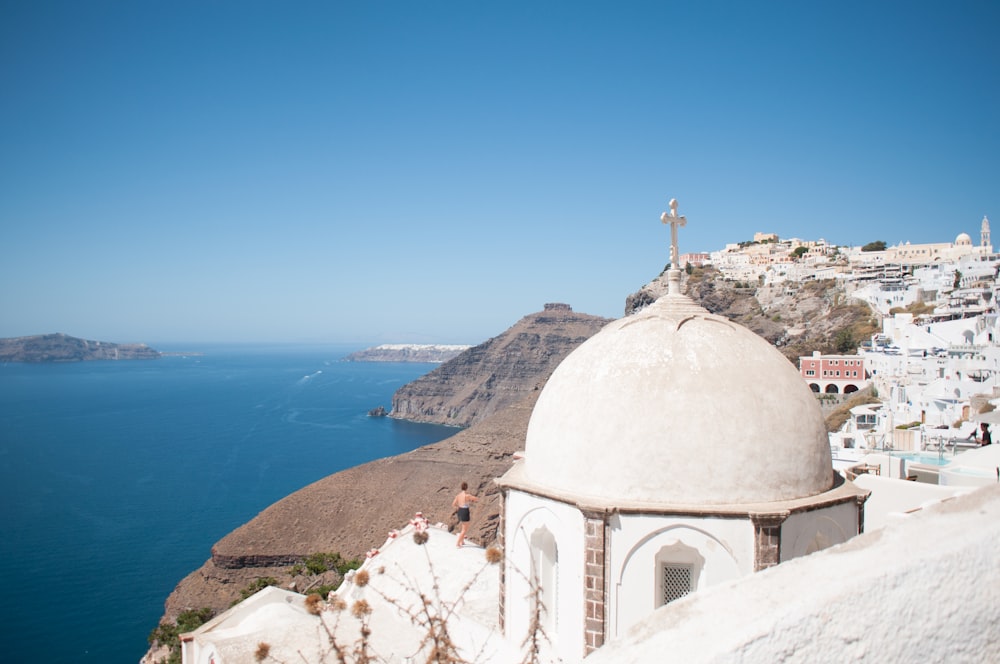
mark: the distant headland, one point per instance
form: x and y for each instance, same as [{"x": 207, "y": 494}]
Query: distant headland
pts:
[
  {"x": 407, "y": 353},
  {"x": 64, "y": 348}
]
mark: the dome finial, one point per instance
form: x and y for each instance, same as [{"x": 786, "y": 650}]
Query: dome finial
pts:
[{"x": 674, "y": 275}]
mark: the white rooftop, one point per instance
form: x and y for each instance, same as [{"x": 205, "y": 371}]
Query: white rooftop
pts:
[
  {"x": 457, "y": 584},
  {"x": 674, "y": 404}
]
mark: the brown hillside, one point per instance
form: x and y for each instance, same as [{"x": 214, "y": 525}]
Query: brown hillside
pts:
[{"x": 353, "y": 510}]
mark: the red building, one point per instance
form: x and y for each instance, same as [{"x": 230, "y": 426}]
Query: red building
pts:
[
  {"x": 834, "y": 374},
  {"x": 696, "y": 260}
]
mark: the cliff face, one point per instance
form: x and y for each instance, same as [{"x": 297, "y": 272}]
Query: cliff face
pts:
[
  {"x": 491, "y": 376},
  {"x": 64, "y": 348},
  {"x": 797, "y": 318}
]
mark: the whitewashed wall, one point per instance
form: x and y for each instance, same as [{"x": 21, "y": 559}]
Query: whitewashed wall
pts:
[
  {"x": 807, "y": 532},
  {"x": 726, "y": 545},
  {"x": 526, "y": 514}
]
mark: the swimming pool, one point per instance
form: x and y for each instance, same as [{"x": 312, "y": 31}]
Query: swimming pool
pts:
[{"x": 926, "y": 458}]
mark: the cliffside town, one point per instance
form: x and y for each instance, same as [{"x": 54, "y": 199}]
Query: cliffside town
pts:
[{"x": 407, "y": 353}]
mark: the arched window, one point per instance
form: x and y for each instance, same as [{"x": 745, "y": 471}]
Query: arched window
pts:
[
  {"x": 545, "y": 580},
  {"x": 831, "y": 389}
]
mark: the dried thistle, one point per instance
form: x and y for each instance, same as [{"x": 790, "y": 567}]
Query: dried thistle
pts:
[
  {"x": 361, "y": 578},
  {"x": 361, "y": 608},
  {"x": 313, "y": 604},
  {"x": 420, "y": 537},
  {"x": 381, "y": 570},
  {"x": 494, "y": 555},
  {"x": 336, "y": 603},
  {"x": 263, "y": 650}
]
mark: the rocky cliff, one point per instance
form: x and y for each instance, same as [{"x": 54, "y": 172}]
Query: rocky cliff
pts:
[
  {"x": 797, "y": 318},
  {"x": 64, "y": 348},
  {"x": 489, "y": 377}
]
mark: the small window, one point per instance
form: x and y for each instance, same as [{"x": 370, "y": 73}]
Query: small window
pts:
[{"x": 676, "y": 582}]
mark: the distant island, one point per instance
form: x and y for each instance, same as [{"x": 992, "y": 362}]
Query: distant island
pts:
[
  {"x": 407, "y": 353},
  {"x": 64, "y": 348}
]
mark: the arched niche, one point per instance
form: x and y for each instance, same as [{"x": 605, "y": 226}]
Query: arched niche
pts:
[
  {"x": 638, "y": 585},
  {"x": 545, "y": 580}
]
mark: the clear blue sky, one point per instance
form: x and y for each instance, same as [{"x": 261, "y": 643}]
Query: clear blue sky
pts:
[{"x": 432, "y": 171}]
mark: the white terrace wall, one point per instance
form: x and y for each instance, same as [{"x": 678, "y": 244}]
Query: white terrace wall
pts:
[{"x": 922, "y": 589}]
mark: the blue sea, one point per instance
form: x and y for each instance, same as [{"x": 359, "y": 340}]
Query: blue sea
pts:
[{"x": 116, "y": 478}]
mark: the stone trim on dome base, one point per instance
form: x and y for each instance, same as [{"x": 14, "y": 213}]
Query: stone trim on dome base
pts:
[{"x": 841, "y": 491}]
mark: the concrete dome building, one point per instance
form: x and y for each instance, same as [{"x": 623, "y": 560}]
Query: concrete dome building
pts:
[
  {"x": 672, "y": 451},
  {"x": 963, "y": 240},
  {"x": 694, "y": 403}
]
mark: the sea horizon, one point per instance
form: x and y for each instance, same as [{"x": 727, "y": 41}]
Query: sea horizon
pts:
[{"x": 118, "y": 476}]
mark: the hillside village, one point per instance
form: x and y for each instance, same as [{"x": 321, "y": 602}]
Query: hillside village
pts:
[
  {"x": 918, "y": 395},
  {"x": 932, "y": 366}
]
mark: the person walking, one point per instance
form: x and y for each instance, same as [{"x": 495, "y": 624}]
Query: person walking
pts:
[{"x": 463, "y": 501}]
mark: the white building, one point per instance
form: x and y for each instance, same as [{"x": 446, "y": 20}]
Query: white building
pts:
[{"x": 653, "y": 469}]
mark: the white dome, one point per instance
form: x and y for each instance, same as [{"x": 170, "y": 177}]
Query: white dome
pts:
[
  {"x": 674, "y": 405},
  {"x": 963, "y": 239}
]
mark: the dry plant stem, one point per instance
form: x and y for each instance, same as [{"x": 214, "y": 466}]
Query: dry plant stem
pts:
[
  {"x": 431, "y": 615},
  {"x": 335, "y": 647},
  {"x": 362, "y": 647}
]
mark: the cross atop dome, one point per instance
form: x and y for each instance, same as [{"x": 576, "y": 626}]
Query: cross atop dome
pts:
[{"x": 674, "y": 275}]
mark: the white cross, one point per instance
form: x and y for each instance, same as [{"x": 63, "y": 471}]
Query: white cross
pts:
[{"x": 674, "y": 222}]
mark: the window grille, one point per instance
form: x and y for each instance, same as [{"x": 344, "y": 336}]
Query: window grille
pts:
[{"x": 676, "y": 582}]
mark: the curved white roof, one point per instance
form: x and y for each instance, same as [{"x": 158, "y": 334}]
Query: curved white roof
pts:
[
  {"x": 963, "y": 239},
  {"x": 677, "y": 405}
]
